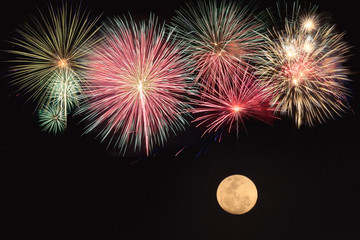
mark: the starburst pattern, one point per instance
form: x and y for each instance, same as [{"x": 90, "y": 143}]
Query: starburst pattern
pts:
[
  {"x": 219, "y": 37},
  {"x": 52, "y": 119},
  {"x": 303, "y": 65},
  {"x": 49, "y": 53},
  {"x": 228, "y": 109},
  {"x": 138, "y": 84}
]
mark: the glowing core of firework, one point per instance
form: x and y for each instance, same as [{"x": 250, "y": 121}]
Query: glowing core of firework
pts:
[
  {"x": 290, "y": 52},
  {"x": 62, "y": 63},
  {"x": 308, "y": 47},
  {"x": 237, "y": 108},
  {"x": 309, "y": 24}
]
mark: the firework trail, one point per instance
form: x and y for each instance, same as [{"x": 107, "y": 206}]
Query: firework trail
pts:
[
  {"x": 228, "y": 109},
  {"x": 302, "y": 65},
  {"x": 219, "y": 37},
  {"x": 138, "y": 82},
  {"x": 49, "y": 61}
]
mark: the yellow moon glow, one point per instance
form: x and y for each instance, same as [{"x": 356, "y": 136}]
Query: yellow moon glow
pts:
[{"x": 236, "y": 194}]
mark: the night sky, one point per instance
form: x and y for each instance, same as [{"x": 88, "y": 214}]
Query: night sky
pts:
[{"x": 308, "y": 180}]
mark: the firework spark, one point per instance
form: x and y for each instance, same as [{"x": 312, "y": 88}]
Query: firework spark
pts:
[
  {"x": 49, "y": 56},
  {"x": 219, "y": 38},
  {"x": 138, "y": 81},
  {"x": 303, "y": 65},
  {"x": 241, "y": 100}
]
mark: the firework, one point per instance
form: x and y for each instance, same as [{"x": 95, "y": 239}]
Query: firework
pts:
[
  {"x": 52, "y": 119},
  {"x": 219, "y": 38},
  {"x": 138, "y": 82},
  {"x": 62, "y": 96},
  {"x": 228, "y": 109},
  {"x": 63, "y": 90},
  {"x": 302, "y": 65},
  {"x": 49, "y": 57}
]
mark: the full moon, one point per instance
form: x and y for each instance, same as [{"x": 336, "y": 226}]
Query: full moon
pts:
[{"x": 236, "y": 194}]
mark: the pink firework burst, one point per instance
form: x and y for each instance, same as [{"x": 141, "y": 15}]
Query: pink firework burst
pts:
[
  {"x": 137, "y": 85},
  {"x": 227, "y": 109}
]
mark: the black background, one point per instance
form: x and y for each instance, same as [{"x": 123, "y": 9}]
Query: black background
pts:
[{"x": 308, "y": 179}]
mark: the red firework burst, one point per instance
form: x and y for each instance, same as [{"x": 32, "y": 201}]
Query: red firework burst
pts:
[
  {"x": 228, "y": 108},
  {"x": 138, "y": 82}
]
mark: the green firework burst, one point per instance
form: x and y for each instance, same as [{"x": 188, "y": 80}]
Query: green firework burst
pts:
[{"x": 52, "y": 119}]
